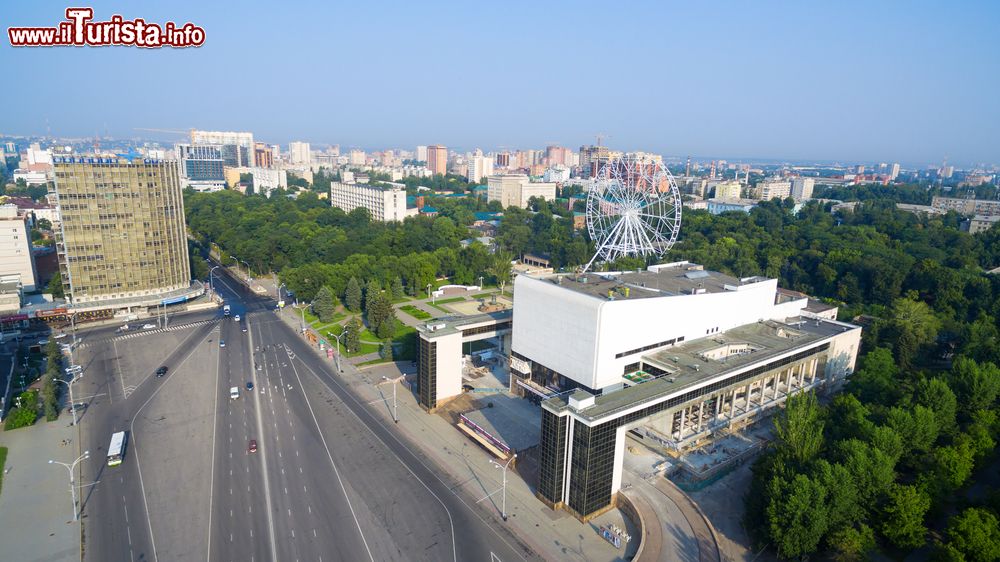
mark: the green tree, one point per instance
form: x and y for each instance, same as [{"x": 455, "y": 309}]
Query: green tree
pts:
[
  {"x": 976, "y": 534},
  {"x": 352, "y": 296},
  {"x": 500, "y": 269},
  {"x": 799, "y": 429},
  {"x": 935, "y": 394},
  {"x": 851, "y": 544},
  {"x": 952, "y": 466},
  {"x": 903, "y": 516},
  {"x": 877, "y": 379},
  {"x": 372, "y": 290},
  {"x": 796, "y": 515},
  {"x": 911, "y": 326},
  {"x": 842, "y": 507},
  {"x": 352, "y": 341},
  {"x": 55, "y": 286},
  {"x": 397, "y": 288},
  {"x": 917, "y": 426},
  {"x": 977, "y": 385},
  {"x": 324, "y": 306},
  {"x": 871, "y": 470},
  {"x": 385, "y": 351}
]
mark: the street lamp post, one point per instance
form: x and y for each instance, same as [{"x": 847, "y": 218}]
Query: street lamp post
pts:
[
  {"x": 211, "y": 278},
  {"x": 249, "y": 273},
  {"x": 337, "y": 337},
  {"x": 395, "y": 415},
  {"x": 73, "y": 372},
  {"x": 428, "y": 290},
  {"x": 72, "y": 481},
  {"x": 480, "y": 282},
  {"x": 503, "y": 501},
  {"x": 237, "y": 260}
]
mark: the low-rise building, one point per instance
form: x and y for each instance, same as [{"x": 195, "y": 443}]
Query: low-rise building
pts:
[
  {"x": 981, "y": 223},
  {"x": 516, "y": 189},
  {"x": 718, "y": 206},
  {"x": 384, "y": 203},
  {"x": 986, "y": 207},
  {"x": 772, "y": 188}
]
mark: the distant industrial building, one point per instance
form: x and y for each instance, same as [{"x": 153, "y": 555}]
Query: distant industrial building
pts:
[
  {"x": 516, "y": 189},
  {"x": 16, "y": 259},
  {"x": 123, "y": 236},
  {"x": 674, "y": 351},
  {"x": 384, "y": 204}
]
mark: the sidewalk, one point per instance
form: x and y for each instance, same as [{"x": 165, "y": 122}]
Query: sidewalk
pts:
[
  {"x": 554, "y": 535},
  {"x": 36, "y": 521}
]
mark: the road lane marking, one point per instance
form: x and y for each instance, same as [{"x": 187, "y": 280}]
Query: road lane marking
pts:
[{"x": 263, "y": 461}]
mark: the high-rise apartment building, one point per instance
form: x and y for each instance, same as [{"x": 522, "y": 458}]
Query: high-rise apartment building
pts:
[
  {"x": 421, "y": 153},
  {"x": 201, "y": 167},
  {"x": 15, "y": 248},
  {"x": 503, "y": 159},
  {"x": 894, "y": 172},
  {"x": 262, "y": 156},
  {"x": 123, "y": 234},
  {"x": 299, "y": 153},
  {"x": 802, "y": 188},
  {"x": 592, "y": 158},
  {"x": 516, "y": 189},
  {"x": 556, "y": 155},
  {"x": 437, "y": 159},
  {"x": 237, "y": 148},
  {"x": 357, "y": 157},
  {"x": 479, "y": 166},
  {"x": 383, "y": 203}
]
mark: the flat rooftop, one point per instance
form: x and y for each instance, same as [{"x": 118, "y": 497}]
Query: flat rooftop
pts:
[
  {"x": 693, "y": 362},
  {"x": 451, "y": 324},
  {"x": 666, "y": 281}
]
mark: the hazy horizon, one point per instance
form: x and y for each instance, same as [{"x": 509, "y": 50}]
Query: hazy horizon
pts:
[{"x": 852, "y": 82}]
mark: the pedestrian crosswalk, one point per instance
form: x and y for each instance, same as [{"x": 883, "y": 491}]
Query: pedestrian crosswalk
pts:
[{"x": 140, "y": 333}]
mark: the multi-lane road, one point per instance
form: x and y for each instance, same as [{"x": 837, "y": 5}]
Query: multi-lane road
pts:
[{"x": 328, "y": 481}]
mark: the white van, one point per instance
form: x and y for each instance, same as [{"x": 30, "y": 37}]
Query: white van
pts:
[{"x": 234, "y": 392}]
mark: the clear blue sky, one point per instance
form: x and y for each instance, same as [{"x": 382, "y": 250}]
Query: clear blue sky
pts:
[{"x": 857, "y": 81}]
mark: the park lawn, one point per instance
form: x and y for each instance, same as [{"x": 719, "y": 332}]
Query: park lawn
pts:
[
  {"x": 3, "y": 459},
  {"x": 401, "y": 299},
  {"x": 453, "y": 299},
  {"x": 415, "y": 312},
  {"x": 441, "y": 308}
]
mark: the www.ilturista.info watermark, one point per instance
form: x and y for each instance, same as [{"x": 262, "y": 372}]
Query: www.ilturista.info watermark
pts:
[{"x": 78, "y": 30}]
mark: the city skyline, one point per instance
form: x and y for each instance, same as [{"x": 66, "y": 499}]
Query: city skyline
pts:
[{"x": 872, "y": 86}]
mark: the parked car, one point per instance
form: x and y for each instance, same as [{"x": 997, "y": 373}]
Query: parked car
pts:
[{"x": 149, "y": 326}]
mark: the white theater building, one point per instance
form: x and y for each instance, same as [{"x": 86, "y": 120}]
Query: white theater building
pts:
[{"x": 674, "y": 348}]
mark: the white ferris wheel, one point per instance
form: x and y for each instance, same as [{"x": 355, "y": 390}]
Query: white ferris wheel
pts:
[{"x": 633, "y": 209}]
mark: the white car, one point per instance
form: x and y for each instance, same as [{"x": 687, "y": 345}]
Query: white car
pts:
[
  {"x": 237, "y": 317},
  {"x": 234, "y": 392},
  {"x": 149, "y": 326}
]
